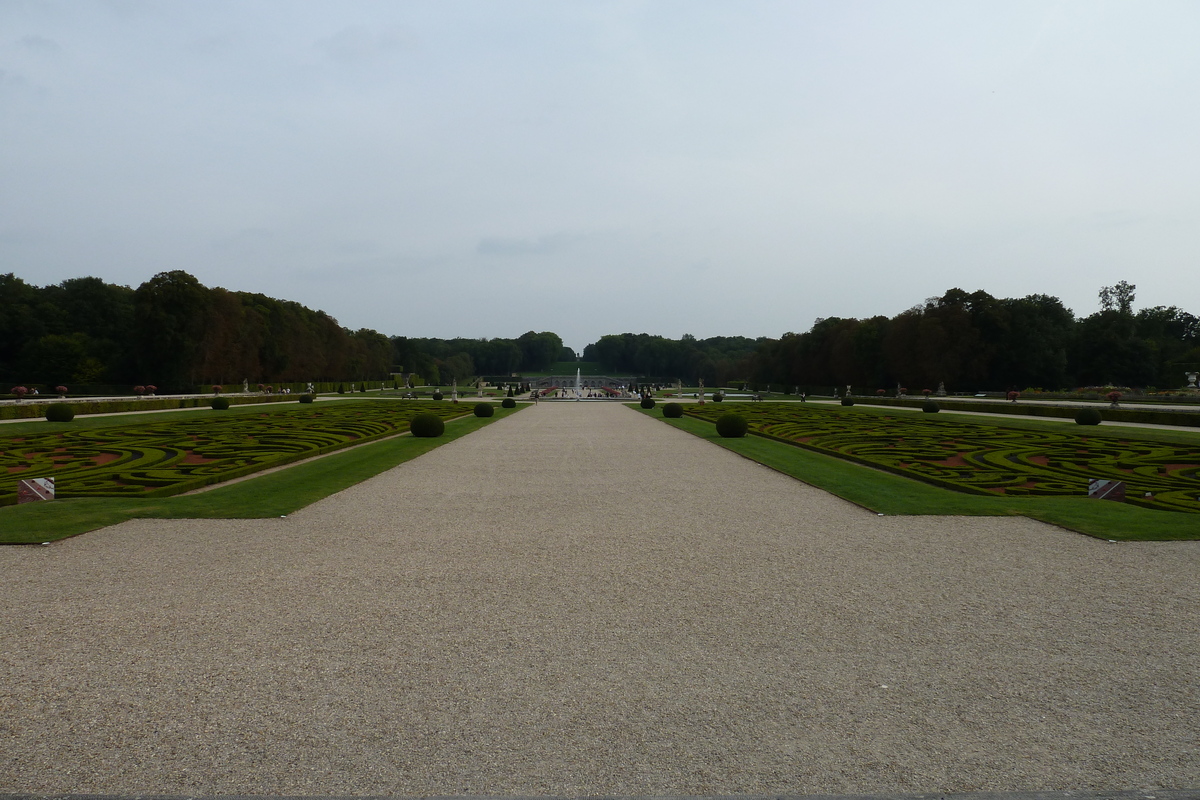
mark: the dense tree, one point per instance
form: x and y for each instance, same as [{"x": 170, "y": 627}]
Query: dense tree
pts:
[
  {"x": 975, "y": 341},
  {"x": 715, "y": 360},
  {"x": 176, "y": 333}
]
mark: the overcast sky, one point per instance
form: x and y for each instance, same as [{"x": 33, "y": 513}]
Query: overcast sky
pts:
[{"x": 715, "y": 168}]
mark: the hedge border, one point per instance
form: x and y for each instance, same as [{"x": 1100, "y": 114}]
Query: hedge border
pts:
[
  {"x": 84, "y": 407},
  {"x": 1182, "y": 419}
]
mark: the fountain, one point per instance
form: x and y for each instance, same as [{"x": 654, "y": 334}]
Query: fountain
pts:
[{"x": 578, "y": 384}]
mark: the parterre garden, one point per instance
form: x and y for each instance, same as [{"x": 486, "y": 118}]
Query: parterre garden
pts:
[
  {"x": 981, "y": 458},
  {"x": 157, "y": 459}
]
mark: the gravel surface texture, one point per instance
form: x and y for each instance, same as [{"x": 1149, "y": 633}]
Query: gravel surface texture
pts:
[{"x": 581, "y": 600}]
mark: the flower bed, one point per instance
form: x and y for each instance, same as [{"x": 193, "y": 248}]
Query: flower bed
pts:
[
  {"x": 165, "y": 458},
  {"x": 982, "y": 458}
]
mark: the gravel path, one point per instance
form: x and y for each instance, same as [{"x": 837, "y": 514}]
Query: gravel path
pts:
[{"x": 580, "y": 600}]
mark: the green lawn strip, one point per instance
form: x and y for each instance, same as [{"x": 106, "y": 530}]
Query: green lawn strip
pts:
[
  {"x": 269, "y": 495},
  {"x": 39, "y": 426},
  {"x": 886, "y": 493}
]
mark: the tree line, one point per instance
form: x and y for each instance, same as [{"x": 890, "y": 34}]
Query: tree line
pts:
[
  {"x": 178, "y": 334},
  {"x": 175, "y": 333},
  {"x": 442, "y": 361},
  {"x": 974, "y": 341},
  {"x": 716, "y": 360}
]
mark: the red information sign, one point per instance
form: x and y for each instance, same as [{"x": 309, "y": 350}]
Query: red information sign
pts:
[{"x": 33, "y": 489}]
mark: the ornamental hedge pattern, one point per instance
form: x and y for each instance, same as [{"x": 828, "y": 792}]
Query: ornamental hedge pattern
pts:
[
  {"x": 984, "y": 459},
  {"x": 157, "y": 460}
]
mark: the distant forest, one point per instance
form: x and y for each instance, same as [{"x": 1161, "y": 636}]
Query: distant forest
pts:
[{"x": 178, "y": 334}]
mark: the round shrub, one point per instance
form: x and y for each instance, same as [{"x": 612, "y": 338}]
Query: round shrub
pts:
[
  {"x": 59, "y": 412},
  {"x": 647, "y": 402},
  {"x": 427, "y": 425},
  {"x": 484, "y": 410},
  {"x": 930, "y": 407},
  {"x": 718, "y": 397},
  {"x": 847, "y": 401},
  {"x": 508, "y": 402},
  {"x": 306, "y": 398},
  {"x": 1088, "y": 416},
  {"x": 673, "y": 410},
  {"x": 732, "y": 426},
  {"x": 437, "y": 395},
  {"x": 220, "y": 404}
]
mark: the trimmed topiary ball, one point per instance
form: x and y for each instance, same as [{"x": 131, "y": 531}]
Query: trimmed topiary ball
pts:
[
  {"x": 59, "y": 412},
  {"x": 930, "y": 407},
  {"x": 718, "y": 397},
  {"x": 673, "y": 410},
  {"x": 220, "y": 404},
  {"x": 1088, "y": 416},
  {"x": 847, "y": 401},
  {"x": 306, "y": 398},
  {"x": 427, "y": 425},
  {"x": 508, "y": 402},
  {"x": 647, "y": 402},
  {"x": 732, "y": 426},
  {"x": 437, "y": 395},
  {"x": 484, "y": 410}
]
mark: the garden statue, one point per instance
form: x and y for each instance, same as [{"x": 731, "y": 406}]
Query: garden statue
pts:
[
  {"x": 245, "y": 386},
  {"x": 847, "y": 391},
  {"x": 941, "y": 390},
  {"x": 1191, "y": 376}
]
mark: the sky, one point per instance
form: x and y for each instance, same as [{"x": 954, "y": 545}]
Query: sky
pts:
[{"x": 482, "y": 169}]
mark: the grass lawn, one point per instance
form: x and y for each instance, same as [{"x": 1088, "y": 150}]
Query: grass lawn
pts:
[
  {"x": 268, "y": 495},
  {"x": 887, "y": 493}
]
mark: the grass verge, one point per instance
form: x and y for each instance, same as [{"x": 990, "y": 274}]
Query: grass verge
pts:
[
  {"x": 269, "y": 495},
  {"x": 885, "y": 493}
]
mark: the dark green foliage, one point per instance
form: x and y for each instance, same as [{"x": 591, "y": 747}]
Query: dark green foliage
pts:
[
  {"x": 341, "y": 388},
  {"x": 508, "y": 402},
  {"x": 437, "y": 395},
  {"x": 484, "y": 410},
  {"x": 716, "y": 360},
  {"x": 732, "y": 426},
  {"x": 60, "y": 412},
  {"x": 930, "y": 407},
  {"x": 306, "y": 398},
  {"x": 672, "y": 410},
  {"x": 718, "y": 397},
  {"x": 847, "y": 401},
  {"x": 427, "y": 426},
  {"x": 1088, "y": 416},
  {"x": 973, "y": 341},
  {"x": 647, "y": 402},
  {"x": 220, "y": 404}
]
